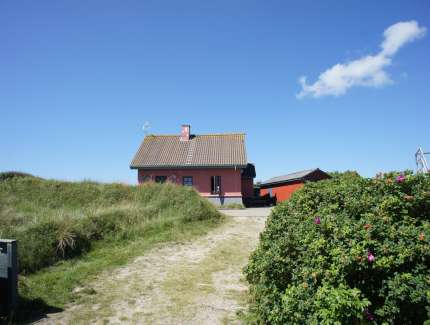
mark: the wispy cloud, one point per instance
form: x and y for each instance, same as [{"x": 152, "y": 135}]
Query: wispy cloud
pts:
[{"x": 366, "y": 71}]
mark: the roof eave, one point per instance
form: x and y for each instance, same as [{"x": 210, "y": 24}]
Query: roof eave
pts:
[
  {"x": 187, "y": 166},
  {"x": 301, "y": 179}
]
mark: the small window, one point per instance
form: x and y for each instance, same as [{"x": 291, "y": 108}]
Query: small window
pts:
[
  {"x": 216, "y": 184},
  {"x": 187, "y": 181},
  {"x": 160, "y": 179},
  {"x": 146, "y": 178}
]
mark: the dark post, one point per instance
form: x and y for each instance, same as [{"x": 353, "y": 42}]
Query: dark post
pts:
[{"x": 8, "y": 275}]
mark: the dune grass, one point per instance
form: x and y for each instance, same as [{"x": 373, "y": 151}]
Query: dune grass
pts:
[
  {"x": 53, "y": 288},
  {"x": 231, "y": 206},
  {"x": 68, "y": 232}
]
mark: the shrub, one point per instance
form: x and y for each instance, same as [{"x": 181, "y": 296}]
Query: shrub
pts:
[{"x": 347, "y": 250}]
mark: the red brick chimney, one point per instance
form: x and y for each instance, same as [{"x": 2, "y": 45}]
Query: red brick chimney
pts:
[{"x": 185, "y": 132}]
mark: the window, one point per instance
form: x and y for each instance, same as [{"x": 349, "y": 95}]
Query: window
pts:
[
  {"x": 146, "y": 178},
  {"x": 160, "y": 179},
  {"x": 216, "y": 184},
  {"x": 187, "y": 181}
]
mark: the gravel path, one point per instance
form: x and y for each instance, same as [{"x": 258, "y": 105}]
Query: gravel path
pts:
[{"x": 197, "y": 282}]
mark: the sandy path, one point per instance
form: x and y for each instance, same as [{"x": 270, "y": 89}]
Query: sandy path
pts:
[{"x": 198, "y": 282}]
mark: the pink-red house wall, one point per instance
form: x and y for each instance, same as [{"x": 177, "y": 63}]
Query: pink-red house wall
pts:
[
  {"x": 282, "y": 192},
  {"x": 231, "y": 183}
]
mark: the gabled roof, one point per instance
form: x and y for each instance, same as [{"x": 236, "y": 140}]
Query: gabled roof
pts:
[
  {"x": 297, "y": 176},
  {"x": 211, "y": 150}
]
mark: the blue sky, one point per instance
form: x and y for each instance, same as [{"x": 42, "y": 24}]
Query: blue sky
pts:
[{"x": 78, "y": 79}]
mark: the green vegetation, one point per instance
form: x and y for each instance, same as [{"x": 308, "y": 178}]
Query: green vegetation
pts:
[
  {"x": 69, "y": 232},
  {"x": 348, "y": 250},
  {"x": 231, "y": 206},
  {"x": 7, "y": 175}
]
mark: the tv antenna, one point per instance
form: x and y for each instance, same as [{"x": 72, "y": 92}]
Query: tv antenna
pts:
[
  {"x": 420, "y": 160},
  {"x": 146, "y": 127}
]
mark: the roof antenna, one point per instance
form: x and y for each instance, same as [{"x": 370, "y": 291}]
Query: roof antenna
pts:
[{"x": 146, "y": 127}]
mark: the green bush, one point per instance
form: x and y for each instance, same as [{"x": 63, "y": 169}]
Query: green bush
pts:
[
  {"x": 55, "y": 220},
  {"x": 348, "y": 250}
]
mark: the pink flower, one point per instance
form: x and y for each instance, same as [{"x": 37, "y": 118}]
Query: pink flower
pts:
[
  {"x": 401, "y": 178},
  {"x": 368, "y": 315},
  {"x": 370, "y": 257},
  {"x": 317, "y": 220}
]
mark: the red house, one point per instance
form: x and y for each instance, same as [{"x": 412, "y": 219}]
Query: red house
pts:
[
  {"x": 215, "y": 164},
  {"x": 282, "y": 187}
]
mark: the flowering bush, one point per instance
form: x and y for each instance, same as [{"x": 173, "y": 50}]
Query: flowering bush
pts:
[{"x": 348, "y": 250}]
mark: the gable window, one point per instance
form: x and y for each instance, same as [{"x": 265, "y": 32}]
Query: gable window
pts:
[
  {"x": 215, "y": 184},
  {"x": 160, "y": 179},
  {"x": 187, "y": 180}
]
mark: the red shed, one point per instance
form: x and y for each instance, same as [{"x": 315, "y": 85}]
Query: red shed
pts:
[{"x": 282, "y": 187}]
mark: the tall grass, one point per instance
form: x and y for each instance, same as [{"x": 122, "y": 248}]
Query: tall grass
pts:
[{"x": 55, "y": 220}]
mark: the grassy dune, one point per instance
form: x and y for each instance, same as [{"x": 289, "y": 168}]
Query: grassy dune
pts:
[{"x": 68, "y": 232}]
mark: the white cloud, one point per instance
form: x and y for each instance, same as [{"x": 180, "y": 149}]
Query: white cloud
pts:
[
  {"x": 399, "y": 34},
  {"x": 366, "y": 71}
]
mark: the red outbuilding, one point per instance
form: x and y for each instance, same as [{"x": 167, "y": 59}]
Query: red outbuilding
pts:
[{"x": 282, "y": 187}]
